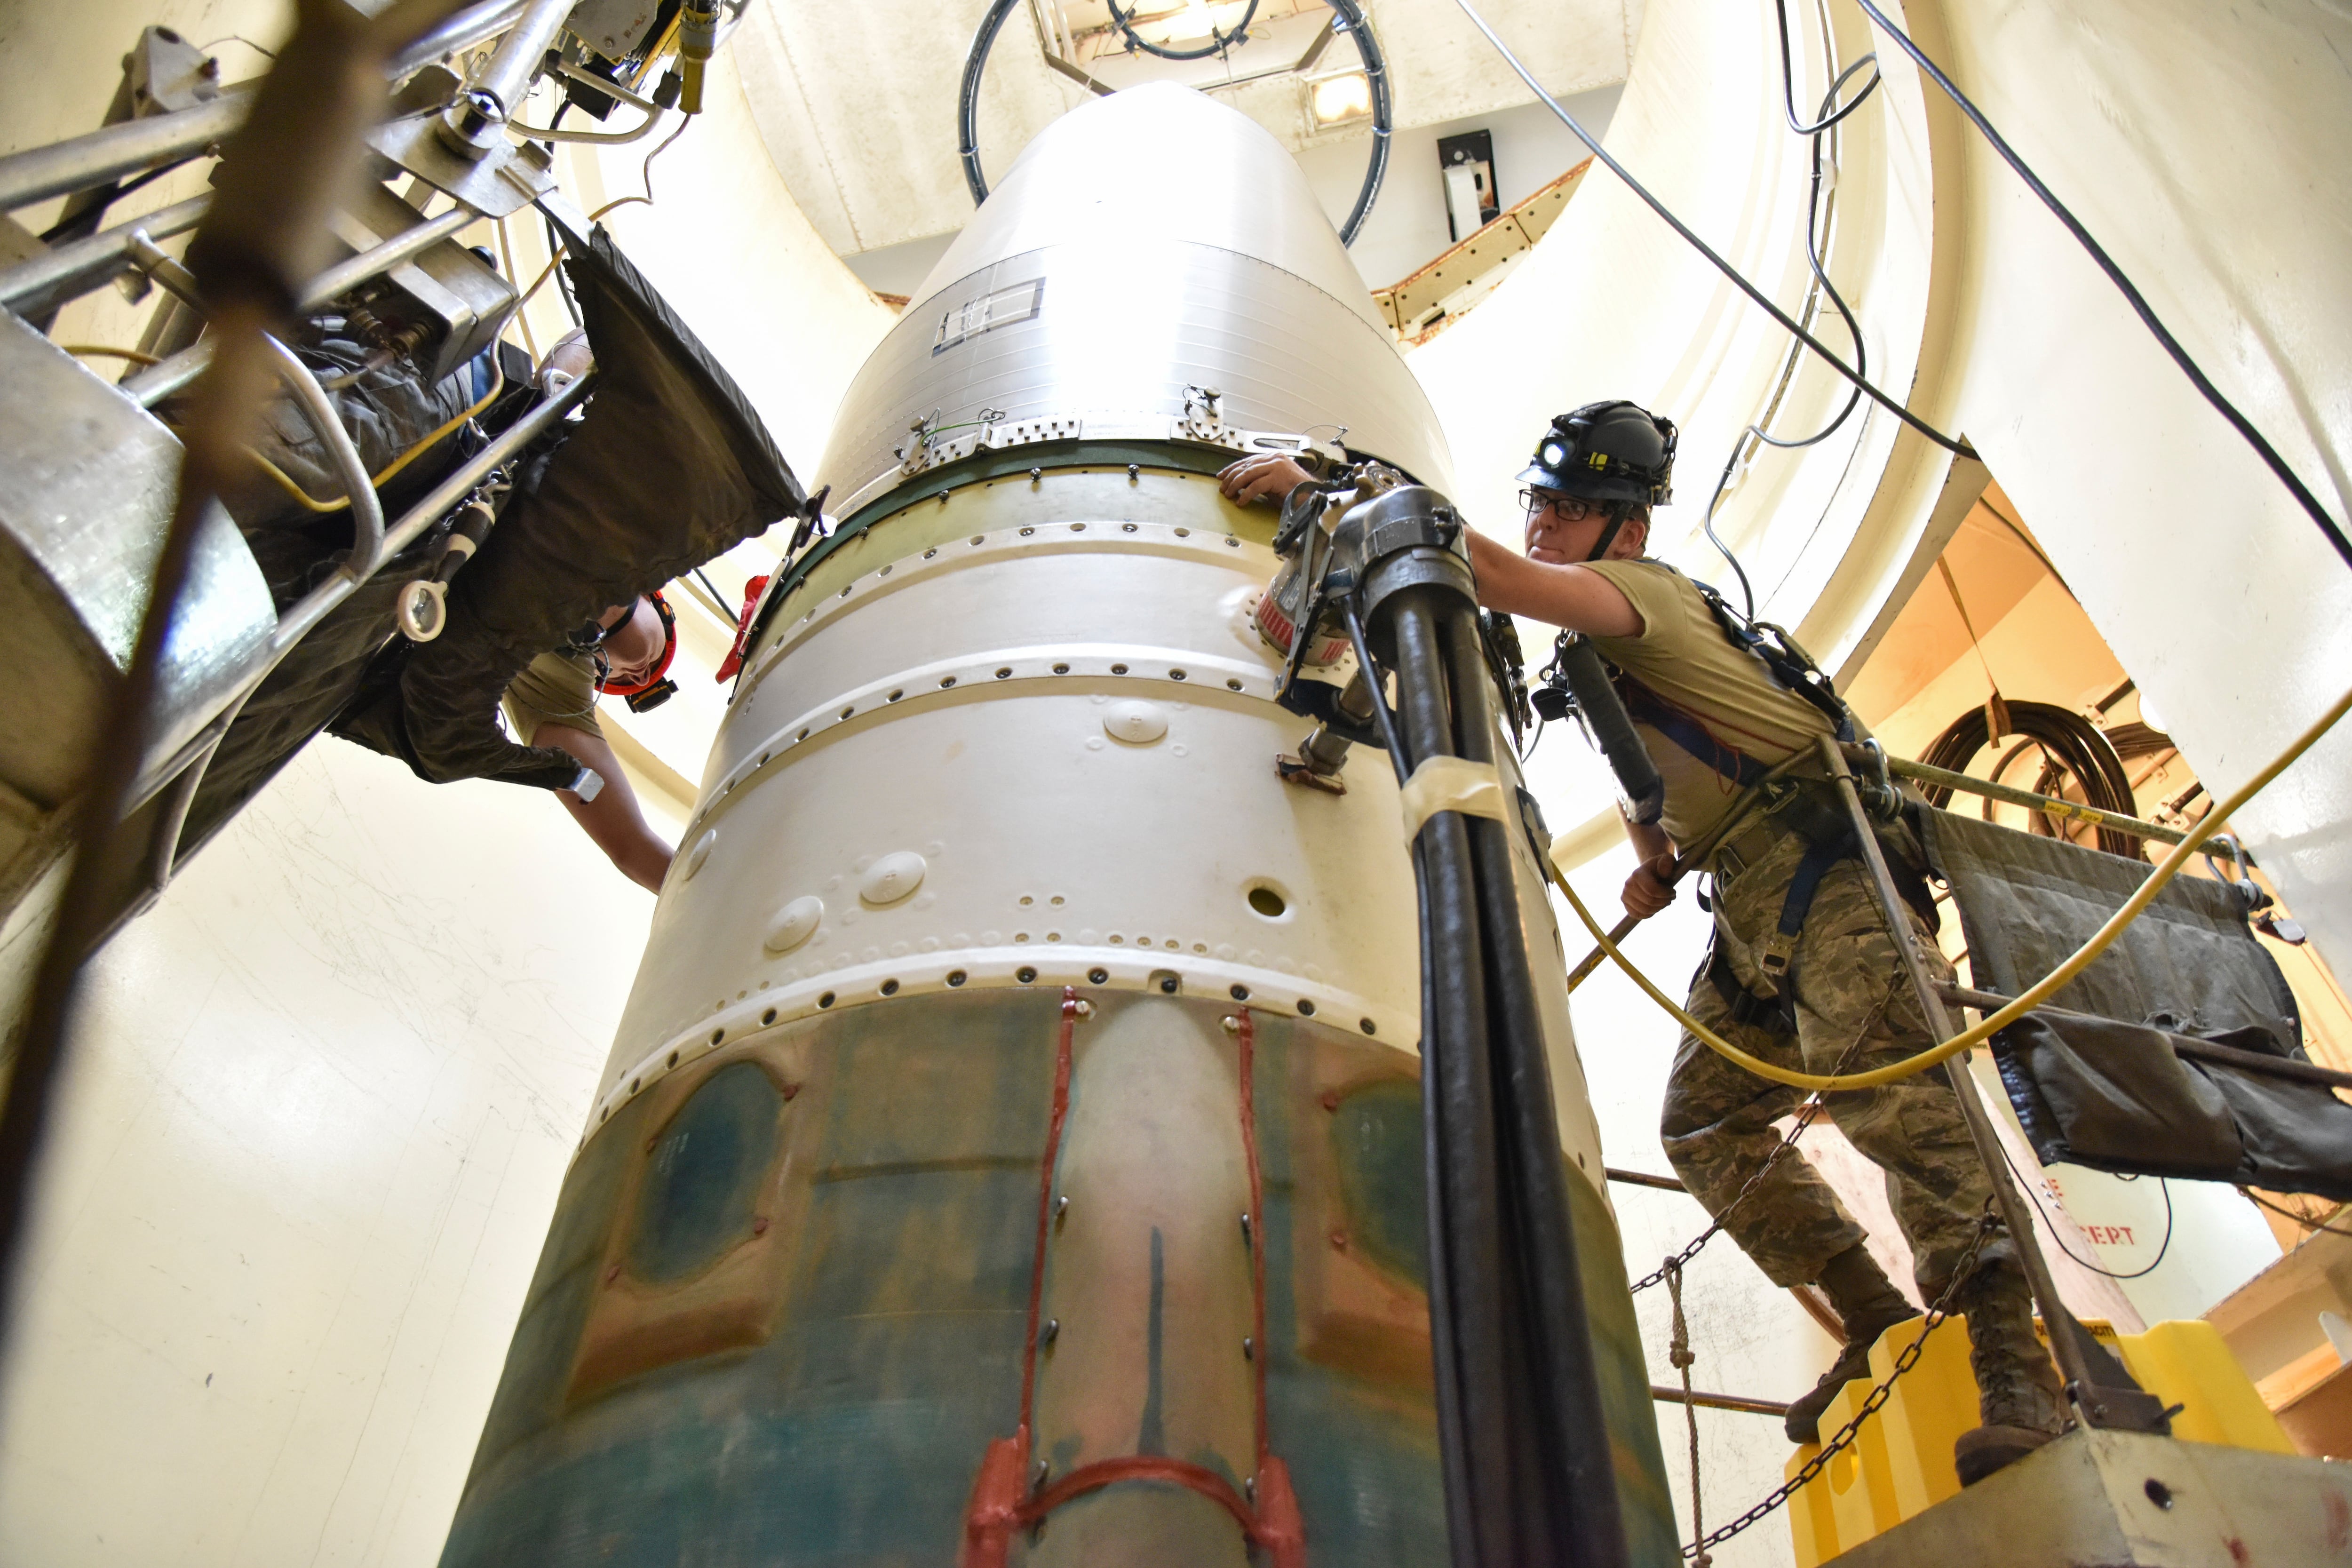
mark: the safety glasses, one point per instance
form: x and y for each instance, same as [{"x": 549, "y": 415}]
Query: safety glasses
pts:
[{"x": 1572, "y": 509}]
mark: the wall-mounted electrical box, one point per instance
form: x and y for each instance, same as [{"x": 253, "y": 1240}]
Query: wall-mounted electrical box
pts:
[{"x": 1467, "y": 162}]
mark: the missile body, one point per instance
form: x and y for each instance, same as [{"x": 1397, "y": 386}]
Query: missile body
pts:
[{"x": 1013, "y": 1148}]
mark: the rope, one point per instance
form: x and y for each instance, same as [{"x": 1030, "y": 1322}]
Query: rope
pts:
[
  {"x": 1679, "y": 1353},
  {"x": 2034, "y": 995}
]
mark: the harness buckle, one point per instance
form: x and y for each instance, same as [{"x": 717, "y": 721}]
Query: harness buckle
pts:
[{"x": 1776, "y": 954}]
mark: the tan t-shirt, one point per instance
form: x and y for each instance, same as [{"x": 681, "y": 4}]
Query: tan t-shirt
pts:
[
  {"x": 554, "y": 688},
  {"x": 1683, "y": 656}
]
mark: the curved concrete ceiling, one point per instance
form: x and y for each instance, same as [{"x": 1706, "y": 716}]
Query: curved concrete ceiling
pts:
[{"x": 858, "y": 103}]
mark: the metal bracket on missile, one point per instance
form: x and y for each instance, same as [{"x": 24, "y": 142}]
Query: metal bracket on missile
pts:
[
  {"x": 1319, "y": 700},
  {"x": 1198, "y": 424}
]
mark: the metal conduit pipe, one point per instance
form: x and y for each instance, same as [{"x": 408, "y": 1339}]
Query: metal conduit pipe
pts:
[
  {"x": 476, "y": 121},
  {"x": 33, "y": 287},
  {"x": 594, "y": 138},
  {"x": 80, "y": 161},
  {"x": 359, "y": 489},
  {"x": 470, "y": 27},
  {"x": 610, "y": 89},
  {"x": 358, "y": 270},
  {"x": 298, "y": 621},
  {"x": 157, "y": 381}
]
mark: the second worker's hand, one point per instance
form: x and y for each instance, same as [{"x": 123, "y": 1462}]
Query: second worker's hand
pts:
[
  {"x": 1647, "y": 890},
  {"x": 1271, "y": 478}
]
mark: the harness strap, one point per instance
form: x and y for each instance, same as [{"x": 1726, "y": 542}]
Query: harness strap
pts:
[
  {"x": 1791, "y": 669},
  {"x": 1776, "y": 955},
  {"x": 1647, "y": 707}
]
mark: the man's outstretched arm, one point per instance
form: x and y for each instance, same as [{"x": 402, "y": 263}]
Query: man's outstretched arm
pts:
[
  {"x": 613, "y": 819},
  {"x": 1562, "y": 596}
]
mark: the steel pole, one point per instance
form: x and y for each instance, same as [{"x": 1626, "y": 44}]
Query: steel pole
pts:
[
  {"x": 1946, "y": 779},
  {"x": 476, "y": 121},
  {"x": 80, "y": 161},
  {"x": 2092, "y": 1386}
]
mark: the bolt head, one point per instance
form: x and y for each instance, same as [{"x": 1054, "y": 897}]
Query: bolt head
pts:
[{"x": 1232, "y": 1025}]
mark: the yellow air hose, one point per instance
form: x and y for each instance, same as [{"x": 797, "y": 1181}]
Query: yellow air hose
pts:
[{"x": 2035, "y": 994}]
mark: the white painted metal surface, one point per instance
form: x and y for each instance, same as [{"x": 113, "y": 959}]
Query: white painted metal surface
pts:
[
  {"x": 1084, "y": 295},
  {"x": 1020, "y": 730}
]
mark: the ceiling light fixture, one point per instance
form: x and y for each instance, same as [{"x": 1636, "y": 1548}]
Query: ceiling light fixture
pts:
[{"x": 1338, "y": 98}]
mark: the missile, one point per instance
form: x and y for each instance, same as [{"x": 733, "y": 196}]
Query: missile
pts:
[{"x": 1012, "y": 1147}]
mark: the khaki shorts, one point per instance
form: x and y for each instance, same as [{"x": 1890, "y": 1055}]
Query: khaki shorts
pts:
[{"x": 554, "y": 688}]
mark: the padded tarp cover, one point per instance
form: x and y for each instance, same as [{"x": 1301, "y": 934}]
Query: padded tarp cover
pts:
[
  {"x": 2119, "y": 1096},
  {"x": 2106, "y": 1089},
  {"x": 386, "y": 411},
  {"x": 669, "y": 466}
]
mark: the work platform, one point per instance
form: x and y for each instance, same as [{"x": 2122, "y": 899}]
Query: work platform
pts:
[{"x": 2123, "y": 1500}]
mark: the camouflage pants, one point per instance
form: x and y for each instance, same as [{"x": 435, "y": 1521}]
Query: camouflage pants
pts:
[{"x": 1850, "y": 987}]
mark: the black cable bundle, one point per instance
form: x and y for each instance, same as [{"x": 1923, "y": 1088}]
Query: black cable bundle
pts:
[
  {"x": 1529, "y": 1475},
  {"x": 2072, "y": 746}
]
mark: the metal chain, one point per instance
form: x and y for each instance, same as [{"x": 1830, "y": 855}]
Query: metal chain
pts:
[
  {"x": 1679, "y": 1353},
  {"x": 1805, "y": 1114},
  {"x": 1986, "y": 1227}
]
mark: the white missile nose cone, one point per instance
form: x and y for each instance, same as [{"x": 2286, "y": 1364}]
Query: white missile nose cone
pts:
[
  {"x": 795, "y": 923},
  {"x": 1136, "y": 723},
  {"x": 892, "y": 877}
]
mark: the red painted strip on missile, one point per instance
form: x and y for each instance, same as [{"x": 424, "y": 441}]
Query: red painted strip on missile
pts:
[
  {"x": 1276, "y": 1524},
  {"x": 1247, "y": 1035},
  {"x": 1143, "y": 1468},
  {"x": 997, "y": 1507},
  {"x": 1046, "y": 1209}
]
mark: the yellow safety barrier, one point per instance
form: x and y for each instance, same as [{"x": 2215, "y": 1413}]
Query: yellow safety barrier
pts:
[
  {"x": 2035, "y": 994},
  {"x": 1900, "y": 1463}
]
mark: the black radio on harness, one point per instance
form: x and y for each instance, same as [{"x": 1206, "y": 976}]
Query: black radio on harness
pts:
[{"x": 1577, "y": 683}]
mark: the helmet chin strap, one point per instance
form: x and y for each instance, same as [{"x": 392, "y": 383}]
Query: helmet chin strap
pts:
[{"x": 1609, "y": 535}]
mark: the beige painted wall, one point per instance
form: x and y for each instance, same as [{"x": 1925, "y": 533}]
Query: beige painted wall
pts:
[
  {"x": 302, "y": 1161},
  {"x": 2208, "y": 157}
]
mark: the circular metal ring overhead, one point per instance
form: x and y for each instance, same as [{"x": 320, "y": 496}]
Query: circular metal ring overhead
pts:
[
  {"x": 1218, "y": 42},
  {"x": 1351, "y": 20}
]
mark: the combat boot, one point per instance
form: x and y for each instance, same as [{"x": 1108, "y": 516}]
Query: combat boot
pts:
[
  {"x": 2019, "y": 1396},
  {"x": 1867, "y": 1305}
]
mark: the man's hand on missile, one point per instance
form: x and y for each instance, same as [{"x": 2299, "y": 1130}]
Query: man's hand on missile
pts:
[
  {"x": 1268, "y": 478},
  {"x": 1647, "y": 890}
]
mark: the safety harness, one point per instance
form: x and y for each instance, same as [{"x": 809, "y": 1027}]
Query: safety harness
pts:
[{"x": 1830, "y": 838}]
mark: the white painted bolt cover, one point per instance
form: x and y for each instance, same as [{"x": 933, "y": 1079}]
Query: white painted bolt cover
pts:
[
  {"x": 795, "y": 923},
  {"x": 892, "y": 877},
  {"x": 1136, "y": 723},
  {"x": 700, "y": 853}
]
